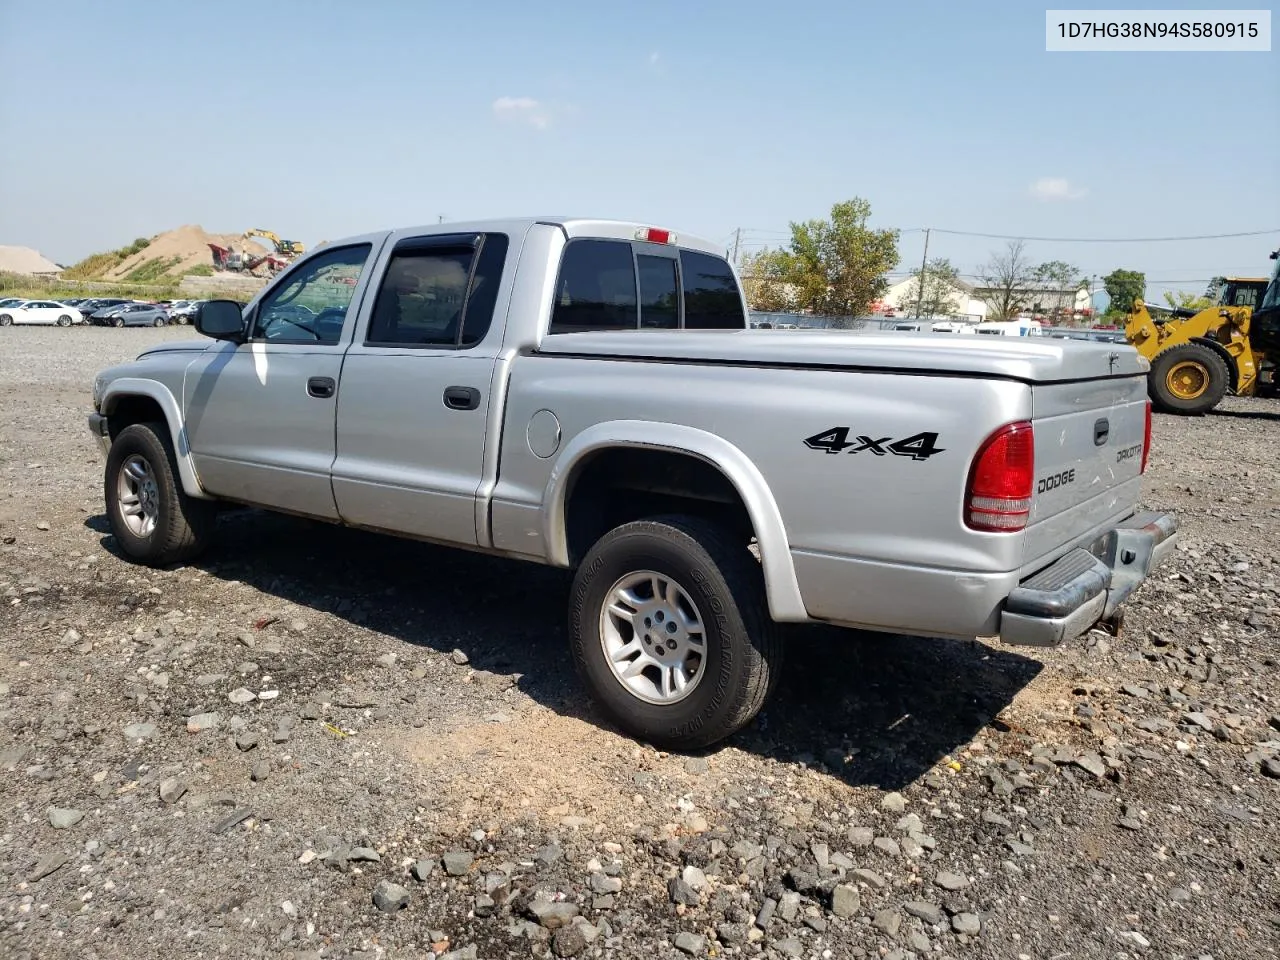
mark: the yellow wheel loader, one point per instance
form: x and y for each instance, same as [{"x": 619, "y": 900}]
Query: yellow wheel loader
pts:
[{"x": 1199, "y": 356}]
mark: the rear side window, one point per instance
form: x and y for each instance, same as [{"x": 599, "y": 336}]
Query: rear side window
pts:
[
  {"x": 596, "y": 289},
  {"x": 711, "y": 298},
  {"x": 439, "y": 294}
]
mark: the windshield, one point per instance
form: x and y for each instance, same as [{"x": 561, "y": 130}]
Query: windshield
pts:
[{"x": 1271, "y": 298}]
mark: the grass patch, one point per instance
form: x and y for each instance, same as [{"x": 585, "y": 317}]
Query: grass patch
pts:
[
  {"x": 96, "y": 265},
  {"x": 201, "y": 270},
  {"x": 35, "y": 288},
  {"x": 151, "y": 270}
]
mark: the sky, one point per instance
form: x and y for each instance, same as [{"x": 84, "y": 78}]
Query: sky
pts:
[{"x": 321, "y": 119}]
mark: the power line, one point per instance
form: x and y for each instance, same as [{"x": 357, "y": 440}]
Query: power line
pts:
[
  {"x": 1009, "y": 236},
  {"x": 1206, "y": 236}
]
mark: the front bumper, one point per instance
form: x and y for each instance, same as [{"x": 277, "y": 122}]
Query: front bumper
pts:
[
  {"x": 98, "y": 427},
  {"x": 1089, "y": 584}
]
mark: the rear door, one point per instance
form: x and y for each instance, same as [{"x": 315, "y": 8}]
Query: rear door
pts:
[
  {"x": 416, "y": 384},
  {"x": 1089, "y": 440}
]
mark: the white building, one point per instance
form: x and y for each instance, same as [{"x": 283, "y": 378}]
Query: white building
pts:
[{"x": 963, "y": 302}]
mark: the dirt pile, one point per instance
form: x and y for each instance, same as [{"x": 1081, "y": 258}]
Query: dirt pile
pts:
[
  {"x": 177, "y": 252},
  {"x": 24, "y": 260}
]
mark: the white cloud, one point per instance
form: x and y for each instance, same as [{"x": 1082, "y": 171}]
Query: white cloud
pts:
[
  {"x": 655, "y": 58},
  {"x": 522, "y": 110},
  {"x": 1056, "y": 188}
]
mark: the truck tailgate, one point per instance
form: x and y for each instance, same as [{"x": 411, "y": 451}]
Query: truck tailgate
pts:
[{"x": 1089, "y": 439}]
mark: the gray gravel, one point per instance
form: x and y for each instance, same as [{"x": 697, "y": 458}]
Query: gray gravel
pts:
[{"x": 318, "y": 743}]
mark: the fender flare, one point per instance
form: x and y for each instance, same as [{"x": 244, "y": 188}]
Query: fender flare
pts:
[
  {"x": 137, "y": 387},
  {"x": 781, "y": 587}
]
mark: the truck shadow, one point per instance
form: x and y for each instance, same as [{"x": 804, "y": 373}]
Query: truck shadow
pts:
[{"x": 876, "y": 710}]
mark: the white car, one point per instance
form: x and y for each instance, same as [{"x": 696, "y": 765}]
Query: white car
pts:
[{"x": 39, "y": 311}]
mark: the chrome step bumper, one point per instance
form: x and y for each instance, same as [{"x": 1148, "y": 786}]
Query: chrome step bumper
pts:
[{"x": 1088, "y": 584}]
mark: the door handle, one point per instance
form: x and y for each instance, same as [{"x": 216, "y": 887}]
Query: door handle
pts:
[
  {"x": 321, "y": 387},
  {"x": 1101, "y": 430},
  {"x": 461, "y": 398}
]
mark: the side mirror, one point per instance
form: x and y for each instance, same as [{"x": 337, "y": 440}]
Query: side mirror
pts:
[{"x": 221, "y": 320}]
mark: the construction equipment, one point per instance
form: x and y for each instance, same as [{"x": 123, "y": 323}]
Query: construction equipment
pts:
[
  {"x": 1199, "y": 356},
  {"x": 225, "y": 258},
  {"x": 288, "y": 248}
]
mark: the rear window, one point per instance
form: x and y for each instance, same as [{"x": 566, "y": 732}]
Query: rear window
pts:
[
  {"x": 659, "y": 292},
  {"x": 711, "y": 298},
  {"x": 596, "y": 289}
]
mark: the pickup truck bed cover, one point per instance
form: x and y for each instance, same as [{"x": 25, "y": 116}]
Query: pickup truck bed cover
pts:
[{"x": 1036, "y": 361}]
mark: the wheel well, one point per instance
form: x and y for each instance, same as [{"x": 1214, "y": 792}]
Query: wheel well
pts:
[
  {"x": 623, "y": 484},
  {"x": 131, "y": 410}
]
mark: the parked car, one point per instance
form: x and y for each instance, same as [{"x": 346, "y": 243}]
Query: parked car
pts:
[
  {"x": 584, "y": 394},
  {"x": 91, "y": 306},
  {"x": 131, "y": 315},
  {"x": 39, "y": 312},
  {"x": 12, "y": 302},
  {"x": 183, "y": 311}
]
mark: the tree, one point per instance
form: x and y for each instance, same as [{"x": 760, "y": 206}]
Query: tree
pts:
[
  {"x": 832, "y": 268},
  {"x": 1058, "y": 284},
  {"x": 764, "y": 280},
  {"x": 941, "y": 290},
  {"x": 1182, "y": 300},
  {"x": 1007, "y": 281},
  {"x": 1124, "y": 287}
]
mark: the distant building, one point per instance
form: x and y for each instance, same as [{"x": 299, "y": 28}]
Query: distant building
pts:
[
  {"x": 963, "y": 301},
  {"x": 1050, "y": 303},
  {"x": 27, "y": 262}
]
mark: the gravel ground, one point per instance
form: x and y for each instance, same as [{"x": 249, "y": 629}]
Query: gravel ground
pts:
[{"x": 320, "y": 743}]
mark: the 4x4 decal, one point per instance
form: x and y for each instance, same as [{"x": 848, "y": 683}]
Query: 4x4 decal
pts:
[{"x": 919, "y": 446}]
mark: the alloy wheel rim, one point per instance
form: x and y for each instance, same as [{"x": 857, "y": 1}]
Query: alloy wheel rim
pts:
[
  {"x": 653, "y": 637},
  {"x": 139, "y": 496}
]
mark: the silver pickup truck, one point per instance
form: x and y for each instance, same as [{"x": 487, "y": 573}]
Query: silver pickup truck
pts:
[{"x": 586, "y": 394}]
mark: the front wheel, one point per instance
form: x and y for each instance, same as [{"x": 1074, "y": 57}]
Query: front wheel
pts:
[
  {"x": 153, "y": 520},
  {"x": 64, "y": 321},
  {"x": 119, "y": 322},
  {"x": 669, "y": 628},
  {"x": 1189, "y": 378},
  {"x": 159, "y": 322},
  {"x": 5, "y": 320}
]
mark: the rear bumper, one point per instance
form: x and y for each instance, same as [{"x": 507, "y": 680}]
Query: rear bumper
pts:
[
  {"x": 98, "y": 427},
  {"x": 1089, "y": 584}
]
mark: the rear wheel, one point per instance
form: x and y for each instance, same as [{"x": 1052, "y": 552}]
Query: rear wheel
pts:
[
  {"x": 669, "y": 628},
  {"x": 1189, "y": 378},
  {"x": 5, "y": 320},
  {"x": 153, "y": 520},
  {"x": 64, "y": 321}
]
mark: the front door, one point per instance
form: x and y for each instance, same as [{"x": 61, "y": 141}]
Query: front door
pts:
[
  {"x": 260, "y": 415},
  {"x": 415, "y": 394}
]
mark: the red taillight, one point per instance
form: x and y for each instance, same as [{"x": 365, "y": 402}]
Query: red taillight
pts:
[
  {"x": 1000, "y": 484},
  {"x": 1146, "y": 439},
  {"x": 654, "y": 235}
]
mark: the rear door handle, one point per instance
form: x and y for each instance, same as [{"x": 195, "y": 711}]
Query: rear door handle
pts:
[
  {"x": 1101, "y": 430},
  {"x": 321, "y": 387},
  {"x": 461, "y": 398}
]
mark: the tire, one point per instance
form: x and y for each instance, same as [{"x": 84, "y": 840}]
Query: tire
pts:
[
  {"x": 742, "y": 646},
  {"x": 118, "y": 322},
  {"x": 64, "y": 321},
  {"x": 159, "y": 322},
  {"x": 181, "y": 526},
  {"x": 5, "y": 320},
  {"x": 1189, "y": 378}
]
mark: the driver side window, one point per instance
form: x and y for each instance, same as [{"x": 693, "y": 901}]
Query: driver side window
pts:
[{"x": 311, "y": 305}]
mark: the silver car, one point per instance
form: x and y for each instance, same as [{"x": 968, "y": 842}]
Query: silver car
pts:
[{"x": 133, "y": 315}]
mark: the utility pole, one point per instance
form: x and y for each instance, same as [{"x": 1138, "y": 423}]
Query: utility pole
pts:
[
  {"x": 924, "y": 266},
  {"x": 737, "y": 239}
]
